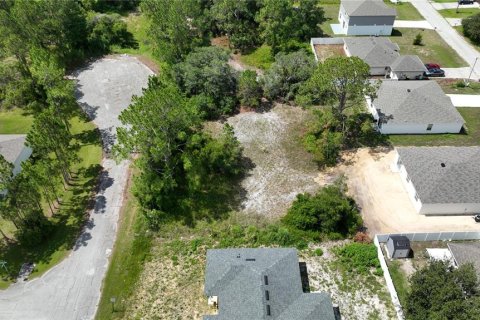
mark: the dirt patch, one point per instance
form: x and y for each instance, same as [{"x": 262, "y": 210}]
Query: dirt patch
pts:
[
  {"x": 360, "y": 297},
  {"x": 380, "y": 194},
  {"x": 281, "y": 168},
  {"x": 325, "y": 51}
]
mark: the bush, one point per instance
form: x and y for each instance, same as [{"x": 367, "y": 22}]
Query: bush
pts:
[
  {"x": 358, "y": 257},
  {"x": 417, "y": 41},
  {"x": 318, "y": 252},
  {"x": 330, "y": 212},
  {"x": 362, "y": 237},
  {"x": 471, "y": 27},
  {"x": 460, "y": 84},
  {"x": 249, "y": 90},
  {"x": 106, "y": 30}
]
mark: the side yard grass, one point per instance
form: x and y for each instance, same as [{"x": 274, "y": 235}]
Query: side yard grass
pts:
[
  {"x": 460, "y": 13},
  {"x": 405, "y": 10},
  {"x": 71, "y": 215},
  {"x": 331, "y": 10},
  {"x": 16, "y": 121},
  {"x": 470, "y": 138},
  {"x": 450, "y": 86},
  {"x": 433, "y": 50}
]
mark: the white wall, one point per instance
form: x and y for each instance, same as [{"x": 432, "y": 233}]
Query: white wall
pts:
[
  {"x": 343, "y": 19},
  {"x": 405, "y": 75},
  {"x": 411, "y": 128},
  {"x": 408, "y": 185},
  {"x": 450, "y": 208},
  {"x": 382, "y": 30},
  {"x": 24, "y": 155}
]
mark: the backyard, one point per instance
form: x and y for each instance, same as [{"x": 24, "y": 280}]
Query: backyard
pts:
[
  {"x": 70, "y": 215},
  {"x": 433, "y": 50}
]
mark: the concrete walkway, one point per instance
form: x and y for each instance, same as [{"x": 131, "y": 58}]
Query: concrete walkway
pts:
[
  {"x": 465, "y": 100},
  {"x": 71, "y": 290},
  {"x": 450, "y": 35},
  {"x": 453, "y": 5},
  {"x": 421, "y": 24},
  {"x": 454, "y": 21}
]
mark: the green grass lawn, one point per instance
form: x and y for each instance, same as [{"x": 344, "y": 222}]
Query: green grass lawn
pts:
[
  {"x": 331, "y": 16},
  {"x": 261, "y": 57},
  {"x": 70, "y": 216},
  {"x": 15, "y": 121},
  {"x": 433, "y": 50},
  {"x": 462, "y": 12},
  {"x": 471, "y": 138},
  {"x": 405, "y": 11},
  {"x": 400, "y": 281},
  {"x": 451, "y": 87}
]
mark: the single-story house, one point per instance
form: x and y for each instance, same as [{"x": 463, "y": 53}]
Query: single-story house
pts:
[
  {"x": 466, "y": 252},
  {"x": 398, "y": 247},
  {"x": 441, "y": 180},
  {"x": 263, "y": 283},
  {"x": 366, "y": 17},
  {"x": 414, "y": 107},
  {"x": 407, "y": 68},
  {"x": 14, "y": 150},
  {"x": 378, "y": 53}
]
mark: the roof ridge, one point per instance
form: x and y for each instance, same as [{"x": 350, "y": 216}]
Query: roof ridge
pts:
[{"x": 229, "y": 275}]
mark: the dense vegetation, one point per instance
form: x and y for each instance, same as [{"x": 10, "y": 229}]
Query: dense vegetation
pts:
[
  {"x": 439, "y": 291},
  {"x": 471, "y": 28}
]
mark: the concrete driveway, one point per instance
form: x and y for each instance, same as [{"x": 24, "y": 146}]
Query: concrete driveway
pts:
[
  {"x": 71, "y": 290},
  {"x": 422, "y": 24},
  {"x": 465, "y": 100},
  {"x": 450, "y": 35}
]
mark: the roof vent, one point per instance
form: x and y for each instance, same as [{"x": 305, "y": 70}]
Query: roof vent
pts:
[
  {"x": 250, "y": 259},
  {"x": 408, "y": 90},
  {"x": 238, "y": 256},
  {"x": 442, "y": 164}
]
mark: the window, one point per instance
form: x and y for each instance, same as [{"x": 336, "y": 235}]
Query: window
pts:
[
  {"x": 265, "y": 280},
  {"x": 268, "y": 310},
  {"x": 267, "y": 295},
  {"x": 429, "y": 127}
]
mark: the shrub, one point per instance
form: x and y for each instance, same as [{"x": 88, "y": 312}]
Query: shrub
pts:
[
  {"x": 362, "y": 237},
  {"x": 329, "y": 212},
  {"x": 318, "y": 252},
  {"x": 358, "y": 257},
  {"x": 417, "y": 41},
  {"x": 460, "y": 84},
  {"x": 471, "y": 27},
  {"x": 106, "y": 30},
  {"x": 249, "y": 90}
]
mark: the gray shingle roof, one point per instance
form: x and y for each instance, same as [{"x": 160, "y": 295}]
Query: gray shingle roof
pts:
[
  {"x": 466, "y": 252},
  {"x": 375, "y": 51},
  {"x": 420, "y": 102},
  {"x": 443, "y": 174},
  {"x": 408, "y": 63},
  {"x": 367, "y": 8},
  {"x": 237, "y": 278},
  {"x": 11, "y": 145}
]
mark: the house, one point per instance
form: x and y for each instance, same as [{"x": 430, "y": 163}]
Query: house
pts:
[
  {"x": 366, "y": 17},
  {"x": 441, "y": 180},
  {"x": 13, "y": 149},
  {"x": 398, "y": 247},
  {"x": 407, "y": 68},
  {"x": 466, "y": 252},
  {"x": 263, "y": 283},
  {"x": 414, "y": 107},
  {"x": 378, "y": 53}
]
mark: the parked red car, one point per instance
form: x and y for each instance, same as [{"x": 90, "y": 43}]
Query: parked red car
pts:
[{"x": 432, "y": 66}]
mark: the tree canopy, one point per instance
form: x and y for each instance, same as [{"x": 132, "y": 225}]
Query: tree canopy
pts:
[{"x": 471, "y": 27}]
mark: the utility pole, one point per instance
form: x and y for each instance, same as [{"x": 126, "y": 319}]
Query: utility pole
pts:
[{"x": 471, "y": 71}]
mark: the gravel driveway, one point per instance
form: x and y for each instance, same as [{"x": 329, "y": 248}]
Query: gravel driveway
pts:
[{"x": 71, "y": 290}]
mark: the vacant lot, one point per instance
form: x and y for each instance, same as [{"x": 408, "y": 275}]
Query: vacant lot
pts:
[
  {"x": 469, "y": 138},
  {"x": 433, "y": 50},
  {"x": 383, "y": 201}
]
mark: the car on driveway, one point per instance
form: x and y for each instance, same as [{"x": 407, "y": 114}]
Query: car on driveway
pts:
[
  {"x": 466, "y": 1},
  {"x": 434, "y": 73},
  {"x": 477, "y": 218},
  {"x": 432, "y": 66}
]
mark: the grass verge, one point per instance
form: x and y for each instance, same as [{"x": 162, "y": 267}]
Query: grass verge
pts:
[
  {"x": 69, "y": 218},
  {"x": 460, "y": 13},
  {"x": 132, "y": 248},
  {"x": 405, "y": 11},
  {"x": 471, "y": 138},
  {"x": 15, "y": 121},
  {"x": 433, "y": 50},
  {"x": 450, "y": 86},
  {"x": 400, "y": 281},
  {"x": 261, "y": 58}
]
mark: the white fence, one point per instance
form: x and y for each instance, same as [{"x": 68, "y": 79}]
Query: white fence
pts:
[{"x": 427, "y": 236}]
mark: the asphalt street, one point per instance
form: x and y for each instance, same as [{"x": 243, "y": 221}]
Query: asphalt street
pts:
[{"x": 71, "y": 289}]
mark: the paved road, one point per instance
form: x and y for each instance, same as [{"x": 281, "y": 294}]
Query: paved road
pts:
[
  {"x": 450, "y": 35},
  {"x": 71, "y": 290}
]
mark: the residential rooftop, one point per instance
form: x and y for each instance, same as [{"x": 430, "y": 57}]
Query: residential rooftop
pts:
[
  {"x": 408, "y": 63},
  {"x": 415, "y": 102},
  {"x": 443, "y": 174},
  {"x": 261, "y": 283},
  {"x": 466, "y": 252},
  {"x": 367, "y": 8},
  {"x": 11, "y": 146},
  {"x": 375, "y": 51}
]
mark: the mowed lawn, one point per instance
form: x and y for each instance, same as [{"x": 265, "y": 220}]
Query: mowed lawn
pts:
[
  {"x": 470, "y": 138},
  {"x": 405, "y": 11},
  {"x": 331, "y": 17},
  {"x": 460, "y": 13},
  {"x": 433, "y": 50},
  {"x": 70, "y": 216}
]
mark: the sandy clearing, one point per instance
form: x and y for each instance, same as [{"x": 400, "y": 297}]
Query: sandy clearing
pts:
[{"x": 382, "y": 198}]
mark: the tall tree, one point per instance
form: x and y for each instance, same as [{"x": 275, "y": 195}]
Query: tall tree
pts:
[
  {"x": 236, "y": 19},
  {"x": 176, "y": 27}
]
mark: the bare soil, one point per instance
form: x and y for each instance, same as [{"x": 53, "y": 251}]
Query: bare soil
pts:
[{"x": 325, "y": 51}]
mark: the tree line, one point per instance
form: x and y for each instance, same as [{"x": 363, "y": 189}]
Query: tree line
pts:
[{"x": 39, "y": 41}]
